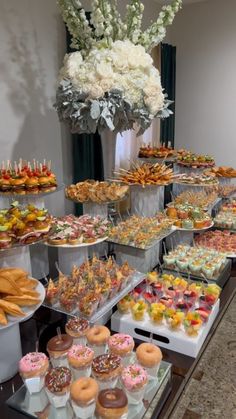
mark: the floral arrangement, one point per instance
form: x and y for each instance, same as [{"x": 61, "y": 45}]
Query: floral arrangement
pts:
[{"x": 111, "y": 82}]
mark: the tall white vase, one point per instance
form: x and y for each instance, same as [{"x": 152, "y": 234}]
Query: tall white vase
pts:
[{"x": 108, "y": 139}]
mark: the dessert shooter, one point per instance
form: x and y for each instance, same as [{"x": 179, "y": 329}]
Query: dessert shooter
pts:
[
  {"x": 57, "y": 382},
  {"x": 80, "y": 360},
  {"x": 83, "y": 395},
  {"x": 97, "y": 338},
  {"x": 149, "y": 356},
  {"x": 134, "y": 380},
  {"x": 77, "y": 329},
  {"x": 33, "y": 368},
  {"x": 112, "y": 404},
  {"x": 106, "y": 369},
  {"x": 57, "y": 348},
  {"x": 122, "y": 345}
]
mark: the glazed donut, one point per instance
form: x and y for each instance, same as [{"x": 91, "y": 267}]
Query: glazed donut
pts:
[
  {"x": 121, "y": 344},
  {"x": 111, "y": 403},
  {"x": 58, "y": 380},
  {"x": 76, "y": 327},
  {"x": 148, "y": 355},
  {"x": 80, "y": 356},
  {"x": 33, "y": 364},
  {"x": 98, "y": 335},
  {"x": 106, "y": 366},
  {"x": 58, "y": 346},
  {"x": 84, "y": 390}
]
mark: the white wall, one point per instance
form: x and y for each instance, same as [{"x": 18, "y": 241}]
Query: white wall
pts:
[
  {"x": 31, "y": 52},
  {"x": 205, "y": 35}
]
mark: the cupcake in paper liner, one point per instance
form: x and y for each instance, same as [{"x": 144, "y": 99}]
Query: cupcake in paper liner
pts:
[
  {"x": 57, "y": 386},
  {"x": 83, "y": 395},
  {"x": 32, "y": 369}
]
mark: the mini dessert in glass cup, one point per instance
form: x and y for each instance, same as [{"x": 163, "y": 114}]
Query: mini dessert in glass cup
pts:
[
  {"x": 83, "y": 395},
  {"x": 212, "y": 293},
  {"x": 134, "y": 379},
  {"x": 183, "y": 263},
  {"x": 209, "y": 270},
  {"x": 156, "y": 312},
  {"x": 179, "y": 285},
  {"x": 196, "y": 266},
  {"x": 106, "y": 369},
  {"x": 174, "y": 319},
  {"x": 97, "y": 338},
  {"x": 124, "y": 305},
  {"x": 138, "y": 310},
  {"x": 77, "y": 328},
  {"x": 169, "y": 260},
  {"x": 167, "y": 301},
  {"x": 112, "y": 404},
  {"x": 57, "y": 386},
  {"x": 122, "y": 345},
  {"x": 192, "y": 323},
  {"x": 32, "y": 369},
  {"x": 80, "y": 360},
  {"x": 149, "y": 356},
  {"x": 57, "y": 348}
]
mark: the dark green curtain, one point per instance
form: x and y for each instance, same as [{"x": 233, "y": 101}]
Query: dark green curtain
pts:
[
  {"x": 168, "y": 79},
  {"x": 87, "y": 154}
]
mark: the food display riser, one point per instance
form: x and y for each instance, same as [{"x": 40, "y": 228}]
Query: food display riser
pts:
[
  {"x": 221, "y": 280},
  {"x": 146, "y": 201},
  {"x": 177, "y": 341},
  {"x": 33, "y": 405},
  {"x": 101, "y": 312},
  {"x": 143, "y": 260}
]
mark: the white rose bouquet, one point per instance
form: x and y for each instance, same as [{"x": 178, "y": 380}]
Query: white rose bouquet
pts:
[{"x": 111, "y": 81}]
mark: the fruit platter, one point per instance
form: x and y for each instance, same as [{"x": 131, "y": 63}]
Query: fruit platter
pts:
[
  {"x": 97, "y": 192},
  {"x": 193, "y": 160},
  {"x": 145, "y": 175},
  {"x": 222, "y": 171},
  {"x": 221, "y": 240},
  {"x": 24, "y": 178},
  {"x": 199, "y": 199},
  {"x": 198, "y": 262},
  {"x": 22, "y": 225},
  {"x": 196, "y": 180},
  {"x": 189, "y": 217},
  {"x": 75, "y": 231},
  {"x": 88, "y": 287},
  {"x": 141, "y": 232}
]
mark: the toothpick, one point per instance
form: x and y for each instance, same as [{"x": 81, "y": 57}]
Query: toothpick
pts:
[
  {"x": 151, "y": 337},
  {"x": 59, "y": 333},
  {"x": 36, "y": 346}
]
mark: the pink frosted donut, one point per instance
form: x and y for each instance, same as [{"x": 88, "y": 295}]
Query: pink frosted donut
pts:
[
  {"x": 121, "y": 344},
  {"x": 33, "y": 364},
  {"x": 80, "y": 356},
  {"x": 134, "y": 377}
]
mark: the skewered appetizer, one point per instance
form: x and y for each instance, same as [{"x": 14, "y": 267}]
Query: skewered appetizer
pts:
[
  {"x": 94, "y": 191},
  {"x": 140, "y": 232},
  {"x": 175, "y": 305},
  {"x": 88, "y": 286},
  {"x": 146, "y": 151},
  {"x": 76, "y": 230},
  {"x": 189, "y": 217},
  {"x": 17, "y": 291},
  {"x": 222, "y": 171},
  {"x": 196, "y": 160},
  {"x": 21, "y": 225},
  {"x": 195, "y": 260},
  {"x": 196, "y": 179},
  {"x": 198, "y": 199},
  {"x": 25, "y": 177},
  {"x": 220, "y": 240},
  {"x": 146, "y": 174}
]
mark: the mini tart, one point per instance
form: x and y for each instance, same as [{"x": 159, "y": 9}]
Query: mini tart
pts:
[
  {"x": 111, "y": 403},
  {"x": 148, "y": 355},
  {"x": 84, "y": 391},
  {"x": 58, "y": 346},
  {"x": 80, "y": 356},
  {"x": 98, "y": 335},
  {"x": 121, "y": 344},
  {"x": 58, "y": 380},
  {"x": 76, "y": 327}
]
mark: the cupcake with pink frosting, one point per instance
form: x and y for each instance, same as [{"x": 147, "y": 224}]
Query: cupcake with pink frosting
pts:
[
  {"x": 33, "y": 368},
  {"x": 80, "y": 359},
  {"x": 122, "y": 345},
  {"x": 134, "y": 379}
]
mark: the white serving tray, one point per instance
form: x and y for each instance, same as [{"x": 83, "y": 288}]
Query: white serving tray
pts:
[{"x": 177, "y": 341}]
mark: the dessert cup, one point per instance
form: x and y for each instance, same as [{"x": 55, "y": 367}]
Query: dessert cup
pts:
[
  {"x": 83, "y": 394},
  {"x": 33, "y": 368},
  {"x": 134, "y": 380},
  {"x": 57, "y": 386},
  {"x": 84, "y": 411}
]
